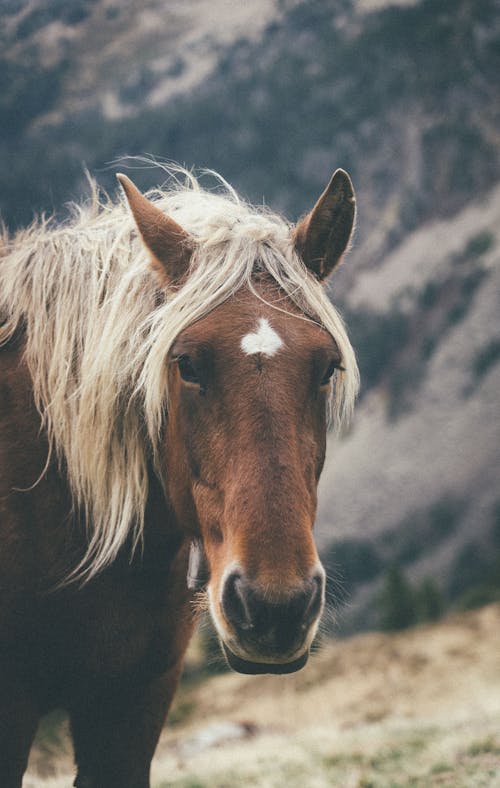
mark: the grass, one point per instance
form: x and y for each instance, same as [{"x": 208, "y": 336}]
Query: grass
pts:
[
  {"x": 379, "y": 758},
  {"x": 490, "y": 745},
  {"x": 360, "y": 714}
]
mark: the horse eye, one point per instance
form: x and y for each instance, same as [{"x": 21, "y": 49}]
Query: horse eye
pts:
[
  {"x": 332, "y": 366},
  {"x": 186, "y": 369}
]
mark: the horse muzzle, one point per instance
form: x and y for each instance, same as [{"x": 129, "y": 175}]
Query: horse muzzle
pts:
[{"x": 265, "y": 635}]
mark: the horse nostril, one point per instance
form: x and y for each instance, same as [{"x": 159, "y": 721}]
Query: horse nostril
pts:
[
  {"x": 247, "y": 610},
  {"x": 235, "y": 602}
]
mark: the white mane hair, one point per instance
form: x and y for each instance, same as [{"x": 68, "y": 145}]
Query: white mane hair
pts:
[{"x": 98, "y": 331}]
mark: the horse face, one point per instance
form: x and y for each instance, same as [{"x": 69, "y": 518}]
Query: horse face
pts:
[
  {"x": 246, "y": 444},
  {"x": 245, "y": 439}
]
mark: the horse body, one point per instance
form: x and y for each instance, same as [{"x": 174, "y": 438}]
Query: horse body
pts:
[
  {"x": 95, "y": 610},
  {"x": 93, "y": 650}
]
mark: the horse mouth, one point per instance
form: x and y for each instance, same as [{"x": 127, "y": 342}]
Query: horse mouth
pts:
[{"x": 255, "y": 668}]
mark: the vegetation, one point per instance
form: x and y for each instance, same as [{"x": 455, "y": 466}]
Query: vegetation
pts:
[
  {"x": 475, "y": 573},
  {"x": 397, "y": 602},
  {"x": 478, "y": 245},
  {"x": 378, "y": 339},
  {"x": 474, "y": 577},
  {"x": 401, "y": 605},
  {"x": 429, "y": 602},
  {"x": 56, "y": 10},
  {"x": 394, "y": 347},
  {"x": 350, "y": 563},
  {"x": 423, "y": 530},
  {"x": 486, "y": 359}
]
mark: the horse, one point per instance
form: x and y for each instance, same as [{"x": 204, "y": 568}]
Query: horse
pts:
[{"x": 169, "y": 364}]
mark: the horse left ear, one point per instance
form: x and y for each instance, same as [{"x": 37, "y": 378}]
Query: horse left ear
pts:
[
  {"x": 170, "y": 245},
  {"x": 322, "y": 236}
]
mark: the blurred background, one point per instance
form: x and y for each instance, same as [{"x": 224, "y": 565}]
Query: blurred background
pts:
[{"x": 275, "y": 94}]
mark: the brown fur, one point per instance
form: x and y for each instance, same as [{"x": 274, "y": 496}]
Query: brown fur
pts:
[
  {"x": 96, "y": 651},
  {"x": 252, "y": 469},
  {"x": 243, "y": 449}
]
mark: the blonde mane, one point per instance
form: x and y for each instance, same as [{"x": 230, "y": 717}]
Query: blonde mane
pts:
[{"x": 98, "y": 331}]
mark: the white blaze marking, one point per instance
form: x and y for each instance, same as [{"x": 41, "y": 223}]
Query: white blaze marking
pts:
[{"x": 264, "y": 340}]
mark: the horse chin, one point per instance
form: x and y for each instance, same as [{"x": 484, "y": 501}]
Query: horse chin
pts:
[{"x": 253, "y": 668}]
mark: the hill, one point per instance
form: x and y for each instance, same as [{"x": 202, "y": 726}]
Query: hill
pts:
[
  {"x": 274, "y": 95},
  {"x": 415, "y": 709}
]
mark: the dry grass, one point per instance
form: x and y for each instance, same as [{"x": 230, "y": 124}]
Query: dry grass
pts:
[{"x": 420, "y": 708}]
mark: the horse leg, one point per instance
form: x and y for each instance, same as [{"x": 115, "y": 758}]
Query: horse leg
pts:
[
  {"x": 115, "y": 732},
  {"x": 18, "y": 723}
]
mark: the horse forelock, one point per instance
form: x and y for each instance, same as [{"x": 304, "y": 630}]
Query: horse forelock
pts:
[{"x": 98, "y": 332}]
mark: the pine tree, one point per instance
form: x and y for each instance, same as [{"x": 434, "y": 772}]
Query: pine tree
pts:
[
  {"x": 397, "y": 608},
  {"x": 429, "y": 601}
]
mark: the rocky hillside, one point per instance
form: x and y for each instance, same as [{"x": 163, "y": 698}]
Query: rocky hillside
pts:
[
  {"x": 415, "y": 482},
  {"x": 275, "y": 94},
  {"x": 272, "y": 94}
]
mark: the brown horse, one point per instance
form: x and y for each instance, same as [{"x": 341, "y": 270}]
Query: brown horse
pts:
[{"x": 163, "y": 412}]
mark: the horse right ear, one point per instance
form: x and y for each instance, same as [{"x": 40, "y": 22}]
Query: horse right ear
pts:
[
  {"x": 170, "y": 245},
  {"x": 322, "y": 236}
]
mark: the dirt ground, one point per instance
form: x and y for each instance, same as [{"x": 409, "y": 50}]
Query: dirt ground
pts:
[{"x": 418, "y": 708}]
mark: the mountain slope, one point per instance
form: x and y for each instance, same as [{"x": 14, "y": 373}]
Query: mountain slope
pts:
[
  {"x": 426, "y": 437},
  {"x": 406, "y": 98}
]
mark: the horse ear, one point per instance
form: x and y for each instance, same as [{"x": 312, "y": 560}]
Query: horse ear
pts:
[
  {"x": 322, "y": 236},
  {"x": 170, "y": 245}
]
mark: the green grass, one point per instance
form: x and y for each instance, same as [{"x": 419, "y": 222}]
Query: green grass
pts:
[
  {"x": 485, "y": 746},
  {"x": 422, "y": 757}
]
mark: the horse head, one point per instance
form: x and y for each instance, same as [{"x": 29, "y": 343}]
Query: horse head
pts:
[{"x": 244, "y": 442}]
